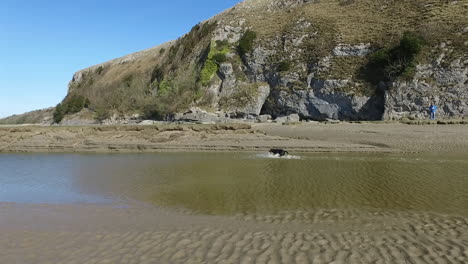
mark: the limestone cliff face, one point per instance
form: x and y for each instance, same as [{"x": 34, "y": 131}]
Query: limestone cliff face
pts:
[
  {"x": 281, "y": 57},
  {"x": 442, "y": 81}
]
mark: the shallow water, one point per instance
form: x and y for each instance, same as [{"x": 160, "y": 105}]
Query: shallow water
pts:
[{"x": 232, "y": 183}]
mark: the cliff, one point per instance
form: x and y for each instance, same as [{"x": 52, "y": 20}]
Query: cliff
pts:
[{"x": 346, "y": 60}]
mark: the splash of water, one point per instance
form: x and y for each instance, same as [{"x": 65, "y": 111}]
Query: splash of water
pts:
[{"x": 276, "y": 156}]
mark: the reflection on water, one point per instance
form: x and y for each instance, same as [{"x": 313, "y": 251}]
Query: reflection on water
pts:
[
  {"x": 42, "y": 179},
  {"x": 229, "y": 183}
]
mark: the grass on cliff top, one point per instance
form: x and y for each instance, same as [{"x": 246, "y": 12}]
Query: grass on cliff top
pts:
[{"x": 374, "y": 21}]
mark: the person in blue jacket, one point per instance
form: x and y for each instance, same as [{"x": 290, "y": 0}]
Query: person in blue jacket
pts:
[{"x": 433, "y": 110}]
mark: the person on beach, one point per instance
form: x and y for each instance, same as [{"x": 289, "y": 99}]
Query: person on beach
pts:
[{"x": 433, "y": 109}]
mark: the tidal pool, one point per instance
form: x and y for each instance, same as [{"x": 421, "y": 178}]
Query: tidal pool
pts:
[{"x": 233, "y": 183}]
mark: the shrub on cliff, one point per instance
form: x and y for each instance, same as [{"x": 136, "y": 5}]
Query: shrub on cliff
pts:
[
  {"x": 72, "y": 104},
  {"x": 398, "y": 61},
  {"x": 246, "y": 42},
  {"x": 219, "y": 58},
  {"x": 76, "y": 103},
  {"x": 284, "y": 66},
  {"x": 164, "y": 87},
  {"x": 59, "y": 113}
]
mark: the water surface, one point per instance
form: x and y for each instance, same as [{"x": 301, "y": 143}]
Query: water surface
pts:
[{"x": 231, "y": 183}]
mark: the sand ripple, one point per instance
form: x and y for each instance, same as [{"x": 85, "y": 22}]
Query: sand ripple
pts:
[{"x": 323, "y": 236}]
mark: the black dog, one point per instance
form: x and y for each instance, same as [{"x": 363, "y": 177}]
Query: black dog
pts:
[{"x": 280, "y": 152}]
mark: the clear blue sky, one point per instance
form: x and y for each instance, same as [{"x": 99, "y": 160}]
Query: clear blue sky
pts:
[{"x": 43, "y": 42}]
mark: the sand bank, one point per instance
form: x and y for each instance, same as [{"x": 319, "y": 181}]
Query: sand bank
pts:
[{"x": 303, "y": 137}]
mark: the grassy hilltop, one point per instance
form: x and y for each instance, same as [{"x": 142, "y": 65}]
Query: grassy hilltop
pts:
[{"x": 221, "y": 62}]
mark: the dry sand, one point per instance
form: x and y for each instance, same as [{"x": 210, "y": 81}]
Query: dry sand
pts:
[
  {"x": 394, "y": 136},
  {"x": 141, "y": 233},
  {"x": 347, "y": 137}
]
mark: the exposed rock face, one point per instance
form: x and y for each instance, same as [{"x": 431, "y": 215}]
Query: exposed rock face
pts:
[
  {"x": 198, "y": 115},
  {"x": 327, "y": 106},
  {"x": 229, "y": 80},
  {"x": 300, "y": 63},
  {"x": 255, "y": 104},
  {"x": 352, "y": 50},
  {"x": 446, "y": 86},
  {"x": 83, "y": 118},
  {"x": 264, "y": 118},
  {"x": 229, "y": 33},
  {"x": 299, "y": 91},
  {"x": 288, "y": 119}
]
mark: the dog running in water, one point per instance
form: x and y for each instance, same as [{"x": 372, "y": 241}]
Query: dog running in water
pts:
[{"x": 279, "y": 152}]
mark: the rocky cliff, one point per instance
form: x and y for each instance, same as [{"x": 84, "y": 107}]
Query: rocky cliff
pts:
[{"x": 347, "y": 60}]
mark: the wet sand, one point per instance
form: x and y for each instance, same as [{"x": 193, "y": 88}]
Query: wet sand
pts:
[
  {"x": 302, "y": 137},
  {"x": 395, "y": 136},
  {"x": 140, "y": 233},
  {"x": 102, "y": 234}
]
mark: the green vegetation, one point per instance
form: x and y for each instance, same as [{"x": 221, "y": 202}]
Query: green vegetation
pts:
[
  {"x": 399, "y": 61},
  {"x": 161, "y": 79},
  {"x": 164, "y": 87},
  {"x": 59, "y": 113},
  {"x": 178, "y": 52},
  {"x": 246, "y": 42},
  {"x": 284, "y": 66},
  {"x": 216, "y": 55},
  {"x": 72, "y": 104},
  {"x": 175, "y": 79},
  {"x": 173, "y": 95},
  {"x": 219, "y": 58},
  {"x": 193, "y": 38},
  {"x": 209, "y": 70}
]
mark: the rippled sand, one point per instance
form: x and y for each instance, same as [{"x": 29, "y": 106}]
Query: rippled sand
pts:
[
  {"x": 141, "y": 234},
  {"x": 145, "y": 234}
]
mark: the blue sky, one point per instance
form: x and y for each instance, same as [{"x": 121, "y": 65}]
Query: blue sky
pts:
[{"x": 43, "y": 42}]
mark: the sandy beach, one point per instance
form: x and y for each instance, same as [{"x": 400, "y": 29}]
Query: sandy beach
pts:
[
  {"x": 100, "y": 234},
  {"x": 142, "y": 233},
  {"x": 301, "y": 137}
]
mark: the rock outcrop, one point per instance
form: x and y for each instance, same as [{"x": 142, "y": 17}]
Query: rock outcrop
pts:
[
  {"x": 316, "y": 59},
  {"x": 444, "y": 85}
]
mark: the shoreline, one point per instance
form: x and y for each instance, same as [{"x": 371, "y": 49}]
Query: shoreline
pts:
[
  {"x": 298, "y": 137},
  {"x": 141, "y": 232},
  {"x": 242, "y": 137}
]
